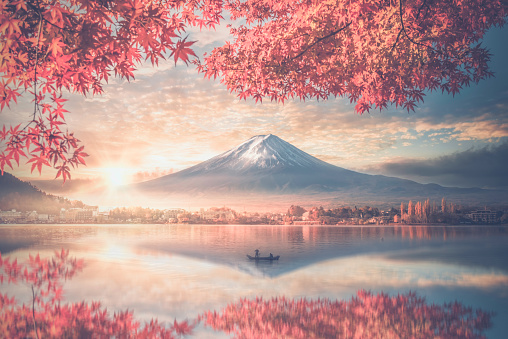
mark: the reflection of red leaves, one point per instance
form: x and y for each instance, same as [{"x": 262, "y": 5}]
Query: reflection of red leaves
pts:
[
  {"x": 182, "y": 328},
  {"x": 53, "y": 318},
  {"x": 364, "y": 316}
]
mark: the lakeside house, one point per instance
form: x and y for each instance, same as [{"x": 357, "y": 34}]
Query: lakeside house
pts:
[{"x": 484, "y": 216}]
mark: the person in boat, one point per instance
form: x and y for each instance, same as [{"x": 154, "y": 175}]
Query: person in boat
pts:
[
  {"x": 271, "y": 255},
  {"x": 257, "y": 253}
]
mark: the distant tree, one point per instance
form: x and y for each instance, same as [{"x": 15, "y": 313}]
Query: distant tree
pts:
[
  {"x": 296, "y": 211},
  {"x": 410, "y": 210},
  {"x": 393, "y": 211}
]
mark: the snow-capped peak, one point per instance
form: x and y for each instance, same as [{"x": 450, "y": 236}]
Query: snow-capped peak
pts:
[{"x": 261, "y": 152}]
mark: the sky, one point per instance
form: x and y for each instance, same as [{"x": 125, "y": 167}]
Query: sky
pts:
[{"x": 170, "y": 118}]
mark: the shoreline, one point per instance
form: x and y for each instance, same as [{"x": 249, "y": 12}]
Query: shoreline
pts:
[{"x": 254, "y": 224}]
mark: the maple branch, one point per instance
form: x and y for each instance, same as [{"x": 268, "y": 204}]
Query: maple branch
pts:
[
  {"x": 404, "y": 28},
  {"x": 421, "y": 7},
  {"x": 396, "y": 40},
  {"x": 321, "y": 39},
  {"x": 38, "y": 11},
  {"x": 295, "y": 37},
  {"x": 36, "y": 102}
]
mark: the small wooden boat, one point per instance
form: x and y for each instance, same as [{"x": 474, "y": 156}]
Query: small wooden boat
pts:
[{"x": 263, "y": 258}]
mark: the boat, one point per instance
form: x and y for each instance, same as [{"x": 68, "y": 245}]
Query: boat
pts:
[{"x": 263, "y": 258}]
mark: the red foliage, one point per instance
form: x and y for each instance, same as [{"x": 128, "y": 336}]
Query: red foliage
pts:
[
  {"x": 47, "y": 317},
  {"x": 372, "y": 52},
  {"x": 364, "y": 316},
  {"x": 51, "y": 46}
]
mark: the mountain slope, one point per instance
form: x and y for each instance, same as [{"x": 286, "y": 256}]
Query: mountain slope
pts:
[
  {"x": 23, "y": 196},
  {"x": 269, "y": 165},
  {"x": 263, "y": 163}
]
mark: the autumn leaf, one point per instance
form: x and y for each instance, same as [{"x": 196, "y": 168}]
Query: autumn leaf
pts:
[
  {"x": 5, "y": 160},
  {"x": 4, "y": 133},
  {"x": 182, "y": 50},
  {"x": 63, "y": 171},
  {"x": 15, "y": 153},
  {"x": 38, "y": 162},
  {"x": 79, "y": 156}
]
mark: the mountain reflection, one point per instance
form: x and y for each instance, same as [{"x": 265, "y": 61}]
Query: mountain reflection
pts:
[
  {"x": 303, "y": 246},
  {"x": 364, "y": 316}
]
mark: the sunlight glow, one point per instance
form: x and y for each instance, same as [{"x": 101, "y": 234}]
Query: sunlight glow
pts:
[{"x": 115, "y": 176}]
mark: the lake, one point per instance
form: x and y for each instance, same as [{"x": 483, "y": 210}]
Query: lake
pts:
[{"x": 181, "y": 271}]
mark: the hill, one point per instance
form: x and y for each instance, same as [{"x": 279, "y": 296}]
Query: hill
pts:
[{"x": 23, "y": 196}]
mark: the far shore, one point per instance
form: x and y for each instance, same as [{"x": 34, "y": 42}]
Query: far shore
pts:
[{"x": 254, "y": 224}]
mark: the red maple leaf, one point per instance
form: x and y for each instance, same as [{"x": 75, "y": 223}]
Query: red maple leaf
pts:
[
  {"x": 38, "y": 161},
  {"x": 63, "y": 171},
  {"x": 5, "y": 160},
  {"x": 182, "y": 50}
]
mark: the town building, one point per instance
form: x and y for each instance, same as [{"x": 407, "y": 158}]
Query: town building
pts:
[
  {"x": 11, "y": 216},
  {"x": 483, "y": 216}
]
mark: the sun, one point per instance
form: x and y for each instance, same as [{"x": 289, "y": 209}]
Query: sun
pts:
[{"x": 115, "y": 177}]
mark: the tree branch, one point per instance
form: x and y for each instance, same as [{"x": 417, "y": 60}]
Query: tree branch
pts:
[
  {"x": 321, "y": 39},
  {"x": 404, "y": 28},
  {"x": 36, "y": 102},
  {"x": 396, "y": 41}
]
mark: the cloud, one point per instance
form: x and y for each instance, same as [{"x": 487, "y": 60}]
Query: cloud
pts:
[
  {"x": 71, "y": 186},
  {"x": 486, "y": 126},
  {"x": 148, "y": 175},
  {"x": 476, "y": 167}
]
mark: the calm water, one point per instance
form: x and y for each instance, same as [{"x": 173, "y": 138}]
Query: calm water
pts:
[{"x": 180, "y": 271}]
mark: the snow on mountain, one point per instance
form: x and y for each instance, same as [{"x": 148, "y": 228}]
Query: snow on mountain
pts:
[
  {"x": 261, "y": 152},
  {"x": 262, "y": 163}
]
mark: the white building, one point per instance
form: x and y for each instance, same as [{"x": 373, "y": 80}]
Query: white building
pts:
[{"x": 483, "y": 216}]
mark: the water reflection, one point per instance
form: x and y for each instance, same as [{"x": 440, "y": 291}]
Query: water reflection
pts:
[
  {"x": 179, "y": 271},
  {"x": 365, "y": 315},
  {"x": 305, "y": 246},
  {"x": 47, "y": 316}
]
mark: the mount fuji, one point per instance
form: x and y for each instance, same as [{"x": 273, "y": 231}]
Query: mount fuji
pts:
[{"x": 270, "y": 166}]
